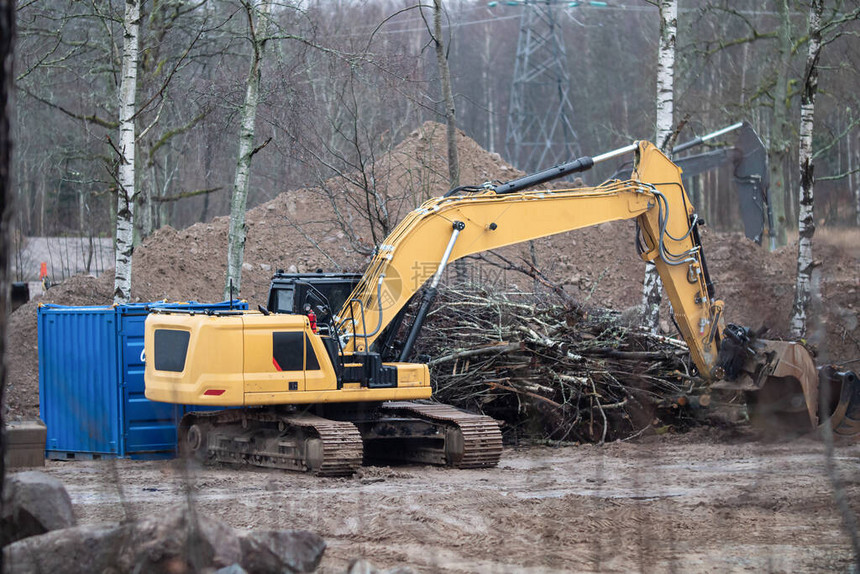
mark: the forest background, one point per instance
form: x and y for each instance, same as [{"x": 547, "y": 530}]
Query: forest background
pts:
[{"x": 343, "y": 82}]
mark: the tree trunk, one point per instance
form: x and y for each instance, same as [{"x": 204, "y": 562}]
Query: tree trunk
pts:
[
  {"x": 236, "y": 237},
  {"x": 489, "y": 94},
  {"x": 856, "y": 187},
  {"x": 126, "y": 191},
  {"x": 652, "y": 286},
  {"x": 144, "y": 204},
  {"x": 779, "y": 145},
  {"x": 805, "y": 217},
  {"x": 448, "y": 95},
  {"x": 7, "y": 35}
]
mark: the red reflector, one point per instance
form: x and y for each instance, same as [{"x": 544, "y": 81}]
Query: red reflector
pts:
[{"x": 214, "y": 392}]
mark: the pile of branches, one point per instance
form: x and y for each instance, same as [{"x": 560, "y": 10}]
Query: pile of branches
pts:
[{"x": 555, "y": 371}]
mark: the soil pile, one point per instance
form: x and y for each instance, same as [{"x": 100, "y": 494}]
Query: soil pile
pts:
[{"x": 300, "y": 231}]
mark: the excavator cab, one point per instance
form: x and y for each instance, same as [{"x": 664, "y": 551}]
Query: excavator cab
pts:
[{"x": 288, "y": 292}]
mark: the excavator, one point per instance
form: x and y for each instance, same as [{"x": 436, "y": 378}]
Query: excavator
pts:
[{"x": 310, "y": 390}]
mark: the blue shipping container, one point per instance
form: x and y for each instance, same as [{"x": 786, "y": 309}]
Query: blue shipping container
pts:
[{"x": 91, "y": 388}]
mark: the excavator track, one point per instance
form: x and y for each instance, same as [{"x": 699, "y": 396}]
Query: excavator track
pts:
[
  {"x": 471, "y": 441},
  {"x": 299, "y": 442}
]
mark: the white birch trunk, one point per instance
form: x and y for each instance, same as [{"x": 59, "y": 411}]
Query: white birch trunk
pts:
[
  {"x": 652, "y": 286},
  {"x": 126, "y": 172},
  {"x": 238, "y": 203},
  {"x": 805, "y": 216}
]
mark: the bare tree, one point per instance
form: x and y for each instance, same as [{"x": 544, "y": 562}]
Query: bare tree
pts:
[
  {"x": 258, "y": 22},
  {"x": 778, "y": 143},
  {"x": 652, "y": 287},
  {"x": 126, "y": 171},
  {"x": 856, "y": 186},
  {"x": 447, "y": 95}
]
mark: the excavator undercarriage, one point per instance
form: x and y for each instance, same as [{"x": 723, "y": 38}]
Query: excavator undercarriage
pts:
[{"x": 340, "y": 439}]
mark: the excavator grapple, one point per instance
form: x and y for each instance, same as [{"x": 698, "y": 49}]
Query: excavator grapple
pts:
[{"x": 785, "y": 392}]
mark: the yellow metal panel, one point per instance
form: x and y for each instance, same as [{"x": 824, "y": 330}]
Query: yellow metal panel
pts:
[
  {"x": 213, "y": 362},
  {"x": 338, "y": 396},
  {"x": 412, "y": 375},
  {"x": 261, "y": 375},
  {"x": 323, "y": 379}
]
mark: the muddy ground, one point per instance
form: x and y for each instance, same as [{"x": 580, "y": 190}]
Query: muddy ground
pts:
[{"x": 708, "y": 501}]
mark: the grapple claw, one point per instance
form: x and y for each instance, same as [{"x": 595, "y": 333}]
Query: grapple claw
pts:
[
  {"x": 840, "y": 399},
  {"x": 786, "y": 393}
]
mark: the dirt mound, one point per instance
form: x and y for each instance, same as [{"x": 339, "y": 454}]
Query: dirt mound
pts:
[
  {"x": 299, "y": 231},
  {"x": 22, "y": 385}
]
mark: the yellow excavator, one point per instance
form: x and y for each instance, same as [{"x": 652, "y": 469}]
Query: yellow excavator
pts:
[{"x": 319, "y": 391}]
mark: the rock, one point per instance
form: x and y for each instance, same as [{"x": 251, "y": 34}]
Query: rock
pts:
[
  {"x": 191, "y": 539},
  {"x": 362, "y": 566},
  {"x": 33, "y": 503},
  {"x": 88, "y": 548},
  {"x": 177, "y": 542},
  {"x": 232, "y": 569},
  {"x": 277, "y": 551}
]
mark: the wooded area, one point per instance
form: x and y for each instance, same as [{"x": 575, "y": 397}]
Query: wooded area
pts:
[{"x": 343, "y": 82}]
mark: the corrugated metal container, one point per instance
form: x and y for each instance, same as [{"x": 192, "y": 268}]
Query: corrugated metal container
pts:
[{"x": 91, "y": 383}]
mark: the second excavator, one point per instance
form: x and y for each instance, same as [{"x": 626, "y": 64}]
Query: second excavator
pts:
[{"x": 320, "y": 391}]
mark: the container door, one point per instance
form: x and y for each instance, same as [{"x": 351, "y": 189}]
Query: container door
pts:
[
  {"x": 148, "y": 426},
  {"x": 78, "y": 397}
]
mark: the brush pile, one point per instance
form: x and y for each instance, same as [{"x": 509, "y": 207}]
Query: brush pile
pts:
[{"x": 557, "y": 371}]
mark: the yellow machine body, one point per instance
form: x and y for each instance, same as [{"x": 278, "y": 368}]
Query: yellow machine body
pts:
[{"x": 232, "y": 360}]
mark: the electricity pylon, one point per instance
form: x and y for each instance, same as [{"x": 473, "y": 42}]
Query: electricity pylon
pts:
[{"x": 540, "y": 116}]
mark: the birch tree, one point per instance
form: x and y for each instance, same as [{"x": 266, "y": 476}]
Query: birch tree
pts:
[
  {"x": 258, "y": 21},
  {"x": 652, "y": 288},
  {"x": 805, "y": 216},
  {"x": 126, "y": 173}
]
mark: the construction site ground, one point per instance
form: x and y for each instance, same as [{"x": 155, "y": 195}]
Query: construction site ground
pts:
[
  {"x": 711, "y": 500},
  {"x": 707, "y": 501}
]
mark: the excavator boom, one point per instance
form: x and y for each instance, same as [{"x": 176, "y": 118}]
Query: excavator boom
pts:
[{"x": 448, "y": 228}]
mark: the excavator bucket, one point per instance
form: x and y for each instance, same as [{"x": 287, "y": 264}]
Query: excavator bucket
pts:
[{"x": 787, "y": 395}]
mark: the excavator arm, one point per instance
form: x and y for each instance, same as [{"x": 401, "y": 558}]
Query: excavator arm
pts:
[{"x": 449, "y": 228}]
